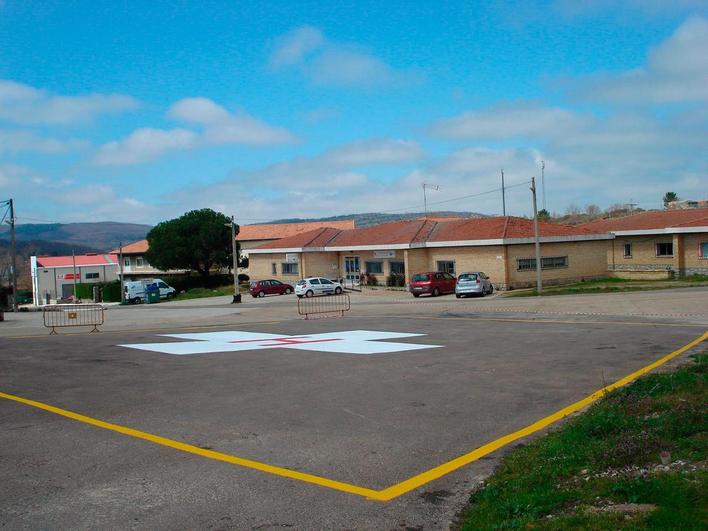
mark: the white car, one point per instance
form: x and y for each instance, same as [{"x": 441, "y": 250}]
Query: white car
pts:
[{"x": 309, "y": 287}]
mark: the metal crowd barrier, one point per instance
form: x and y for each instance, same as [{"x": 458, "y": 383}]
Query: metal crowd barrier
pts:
[
  {"x": 328, "y": 304},
  {"x": 68, "y": 315}
]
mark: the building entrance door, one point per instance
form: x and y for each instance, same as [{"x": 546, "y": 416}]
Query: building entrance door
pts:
[{"x": 351, "y": 269}]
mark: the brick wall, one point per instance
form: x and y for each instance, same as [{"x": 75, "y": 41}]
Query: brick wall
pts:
[
  {"x": 488, "y": 259},
  {"x": 260, "y": 267},
  {"x": 416, "y": 261},
  {"x": 694, "y": 264},
  {"x": 321, "y": 265},
  {"x": 586, "y": 260},
  {"x": 685, "y": 260}
]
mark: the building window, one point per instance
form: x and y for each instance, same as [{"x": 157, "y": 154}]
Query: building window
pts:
[
  {"x": 554, "y": 262},
  {"x": 547, "y": 262},
  {"x": 665, "y": 249},
  {"x": 126, "y": 261},
  {"x": 273, "y": 268},
  {"x": 703, "y": 250},
  {"x": 397, "y": 268},
  {"x": 139, "y": 261},
  {"x": 90, "y": 276},
  {"x": 289, "y": 268},
  {"x": 374, "y": 267},
  {"x": 446, "y": 266},
  {"x": 628, "y": 250}
]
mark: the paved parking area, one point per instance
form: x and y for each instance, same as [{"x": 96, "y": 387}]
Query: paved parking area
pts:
[{"x": 352, "y": 420}]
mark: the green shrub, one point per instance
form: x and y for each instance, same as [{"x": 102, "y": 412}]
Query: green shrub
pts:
[
  {"x": 111, "y": 292},
  {"x": 371, "y": 280},
  {"x": 395, "y": 280}
]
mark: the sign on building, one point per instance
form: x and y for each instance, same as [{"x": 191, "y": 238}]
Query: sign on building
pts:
[
  {"x": 384, "y": 254},
  {"x": 291, "y": 258}
]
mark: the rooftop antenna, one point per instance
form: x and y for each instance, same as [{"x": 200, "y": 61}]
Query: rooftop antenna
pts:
[{"x": 425, "y": 197}]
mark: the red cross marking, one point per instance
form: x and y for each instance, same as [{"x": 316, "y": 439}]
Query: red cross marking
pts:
[{"x": 282, "y": 341}]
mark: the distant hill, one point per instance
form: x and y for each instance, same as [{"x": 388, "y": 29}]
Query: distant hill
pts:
[
  {"x": 27, "y": 248},
  {"x": 374, "y": 218},
  {"x": 103, "y": 236}
]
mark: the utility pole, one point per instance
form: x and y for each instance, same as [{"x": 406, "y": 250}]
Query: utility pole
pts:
[
  {"x": 120, "y": 266},
  {"x": 13, "y": 255},
  {"x": 543, "y": 184},
  {"x": 234, "y": 252},
  {"x": 537, "y": 243},
  {"x": 503, "y": 194},
  {"x": 73, "y": 262}
]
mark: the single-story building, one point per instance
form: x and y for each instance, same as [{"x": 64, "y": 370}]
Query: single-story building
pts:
[
  {"x": 53, "y": 277},
  {"x": 502, "y": 247},
  {"x": 656, "y": 244},
  {"x": 136, "y": 266},
  {"x": 252, "y": 236}
]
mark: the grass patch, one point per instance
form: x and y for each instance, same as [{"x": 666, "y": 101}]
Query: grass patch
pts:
[
  {"x": 608, "y": 285},
  {"x": 198, "y": 293},
  {"x": 579, "y": 475}
]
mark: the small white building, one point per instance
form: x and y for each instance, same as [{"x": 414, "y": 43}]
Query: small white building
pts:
[{"x": 53, "y": 277}]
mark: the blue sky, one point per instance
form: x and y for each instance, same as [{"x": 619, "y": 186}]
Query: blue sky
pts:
[{"x": 140, "y": 111}]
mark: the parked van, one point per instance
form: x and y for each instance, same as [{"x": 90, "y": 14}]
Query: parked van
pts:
[{"x": 135, "y": 290}]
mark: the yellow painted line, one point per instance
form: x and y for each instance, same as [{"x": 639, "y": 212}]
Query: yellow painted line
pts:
[
  {"x": 386, "y": 494},
  {"x": 439, "y": 471},
  {"x": 211, "y": 454}
]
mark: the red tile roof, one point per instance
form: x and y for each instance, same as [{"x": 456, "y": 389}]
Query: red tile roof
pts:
[
  {"x": 274, "y": 231},
  {"x": 81, "y": 260},
  {"x": 654, "y": 219},
  {"x": 386, "y": 233},
  {"x": 140, "y": 247},
  {"x": 421, "y": 231}
]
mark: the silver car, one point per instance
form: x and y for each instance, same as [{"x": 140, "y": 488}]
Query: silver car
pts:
[{"x": 473, "y": 284}]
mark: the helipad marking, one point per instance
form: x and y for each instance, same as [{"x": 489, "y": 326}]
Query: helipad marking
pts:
[
  {"x": 387, "y": 494},
  {"x": 364, "y": 342}
]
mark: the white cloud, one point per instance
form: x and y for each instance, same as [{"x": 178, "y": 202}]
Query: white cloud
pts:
[
  {"x": 12, "y": 175},
  {"x": 331, "y": 63},
  {"x": 295, "y": 45},
  {"x": 342, "y": 66},
  {"x": 327, "y": 168},
  {"x": 510, "y": 121},
  {"x": 144, "y": 145},
  {"x": 102, "y": 202},
  {"x": 218, "y": 126},
  {"x": 16, "y": 141},
  {"x": 676, "y": 72},
  {"x": 24, "y": 104},
  {"x": 223, "y": 127},
  {"x": 375, "y": 151}
]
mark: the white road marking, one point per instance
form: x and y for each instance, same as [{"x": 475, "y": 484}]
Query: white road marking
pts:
[{"x": 364, "y": 342}]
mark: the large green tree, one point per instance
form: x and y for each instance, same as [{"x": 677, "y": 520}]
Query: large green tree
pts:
[{"x": 197, "y": 240}]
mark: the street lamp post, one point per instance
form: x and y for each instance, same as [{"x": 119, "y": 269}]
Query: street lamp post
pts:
[{"x": 234, "y": 252}]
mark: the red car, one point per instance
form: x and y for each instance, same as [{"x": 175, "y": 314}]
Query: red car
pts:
[
  {"x": 434, "y": 283},
  {"x": 261, "y": 288}
]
